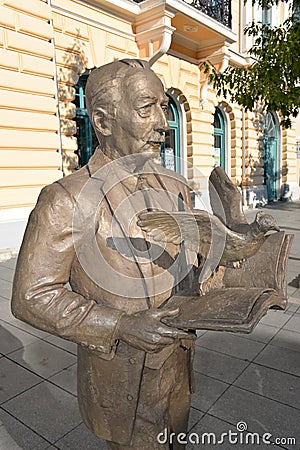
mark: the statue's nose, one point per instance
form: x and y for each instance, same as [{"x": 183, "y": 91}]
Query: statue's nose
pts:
[{"x": 161, "y": 124}]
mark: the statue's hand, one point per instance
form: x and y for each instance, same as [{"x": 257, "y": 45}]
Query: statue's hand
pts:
[{"x": 145, "y": 331}]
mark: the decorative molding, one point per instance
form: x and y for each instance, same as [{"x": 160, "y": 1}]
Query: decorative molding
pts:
[
  {"x": 183, "y": 56},
  {"x": 127, "y": 7},
  {"x": 92, "y": 22}
]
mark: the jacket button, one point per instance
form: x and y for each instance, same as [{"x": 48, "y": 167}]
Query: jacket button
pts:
[
  {"x": 129, "y": 397},
  {"x": 132, "y": 360}
]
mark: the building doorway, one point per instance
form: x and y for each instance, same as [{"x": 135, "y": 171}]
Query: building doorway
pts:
[{"x": 270, "y": 152}]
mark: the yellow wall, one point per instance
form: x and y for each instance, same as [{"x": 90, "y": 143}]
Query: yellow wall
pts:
[
  {"x": 28, "y": 124},
  {"x": 38, "y": 44}
]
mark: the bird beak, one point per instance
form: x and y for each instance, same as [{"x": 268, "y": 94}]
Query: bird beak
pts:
[{"x": 276, "y": 228}]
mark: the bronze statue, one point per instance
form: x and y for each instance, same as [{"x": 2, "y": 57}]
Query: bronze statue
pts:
[
  {"x": 134, "y": 367},
  {"x": 134, "y": 372}
]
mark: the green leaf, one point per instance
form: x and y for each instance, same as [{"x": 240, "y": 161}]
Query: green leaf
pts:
[{"x": 274, "y": 77}]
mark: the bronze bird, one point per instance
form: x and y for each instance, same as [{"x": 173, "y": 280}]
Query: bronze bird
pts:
[{"x": 206, "y": 234}]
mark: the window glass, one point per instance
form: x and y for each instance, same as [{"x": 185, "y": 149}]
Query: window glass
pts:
[{"x": 219, "y": 139}]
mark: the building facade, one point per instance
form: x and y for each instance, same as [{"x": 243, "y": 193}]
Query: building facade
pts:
[{"x": 48, "y": 48}]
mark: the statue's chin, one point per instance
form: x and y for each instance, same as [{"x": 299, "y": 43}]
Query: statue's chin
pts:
[
  {"x": 152, "y": 155},
  {"x": 144, "y": 156}
]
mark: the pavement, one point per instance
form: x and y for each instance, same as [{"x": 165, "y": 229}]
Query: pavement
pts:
[{"x": 243, "y": 381}]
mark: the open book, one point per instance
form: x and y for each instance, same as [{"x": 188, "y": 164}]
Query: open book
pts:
[
  {"x": 248, "y": 292},
  {"x": 231, "y": 309}
]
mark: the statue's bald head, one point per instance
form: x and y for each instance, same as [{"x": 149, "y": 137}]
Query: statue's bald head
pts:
[
  {"x": 126, "y": 103},
  {"x": 103, "y": 87}
]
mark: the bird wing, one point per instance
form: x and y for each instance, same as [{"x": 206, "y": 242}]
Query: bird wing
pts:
[
  {"x": 226, "y": 200},
  {"x": 171, "y": 227},
  {"x": 199, "y": 230}
]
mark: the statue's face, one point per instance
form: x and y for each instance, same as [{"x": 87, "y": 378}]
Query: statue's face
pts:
[{"x": 140, "y": 120}]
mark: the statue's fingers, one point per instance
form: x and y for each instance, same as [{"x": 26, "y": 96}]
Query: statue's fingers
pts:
[
  {"x": 161, "y": 313},
  {"x": 156, "y": 342},
  {"x": 175, "y": 333}
]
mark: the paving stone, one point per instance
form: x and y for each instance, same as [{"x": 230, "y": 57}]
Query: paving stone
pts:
[
  {"x": 217, "y": 365},
  {"x": 209, "y": 424},
  {"x": 6, "y": 289},
  {"x": 296, "y": 294},
  {"x": 276, "y": 318},
  {"x": 293, "y": 307},
  {"x": 11, "y": 338},
  {"x": 230, "y": 345},
  {"x": 293, "y": 262},
  {"x": 261, "y": 333},
  {"x": 66, "y": 379},
  {"x": 6, "y": 316},
  {"x": 14, "y": 379},
  {"x": 10, "y": 263},
  {"x": 287, "y": 339},
  {"x": 6, "y": 274},
  {"x": 261, "y": 415},
  {"x": 291, "y": 290},
  {"x": 271, "y": 383},
  {"x": 5, "y": 312},
  {"x": 208, "y": 390},
  {"x": 293, "y": 324},
  {"x": 62, "y": 343},
  {"x": 47, "y": 409},
  {"x": 200, "y": 333},
  {"x": 3, "y": 299},
  {"x": 81, "y": 438},
  {"x": 16, "y": 436},
  {"x": 194, "y": 417},
  {"x": 28, "y": 328},
  {"x": 296, "y": 302},
  {"x": 43, "y": 358},
  {"x": 283, "y": 359}
]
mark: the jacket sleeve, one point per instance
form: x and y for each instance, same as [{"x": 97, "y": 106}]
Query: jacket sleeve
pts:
[{"x": 43, "y": 269}]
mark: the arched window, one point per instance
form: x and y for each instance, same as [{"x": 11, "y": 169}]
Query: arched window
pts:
[
  {"x": 219, "y": 139},
  {"x": 170, "y": 151},
  {"x": 271, "y": 151},
  {"x": 86, "y": 138}
]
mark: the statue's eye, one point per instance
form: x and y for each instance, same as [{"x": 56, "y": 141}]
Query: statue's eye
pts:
[
  {"x": 145, "y": 110},
  {"x": 165, "y": 109}
]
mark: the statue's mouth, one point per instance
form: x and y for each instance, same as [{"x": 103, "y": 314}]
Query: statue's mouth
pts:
[{"x": 155, "y": 143}]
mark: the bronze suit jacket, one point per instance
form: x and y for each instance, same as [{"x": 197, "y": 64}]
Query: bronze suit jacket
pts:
[{"x": 70, "y": 237}]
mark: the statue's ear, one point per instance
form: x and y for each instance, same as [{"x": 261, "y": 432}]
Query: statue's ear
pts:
[{"x": 102, "y": 121}]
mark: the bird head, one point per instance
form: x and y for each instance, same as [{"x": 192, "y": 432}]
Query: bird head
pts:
[{"x": 266, "y": 222}]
